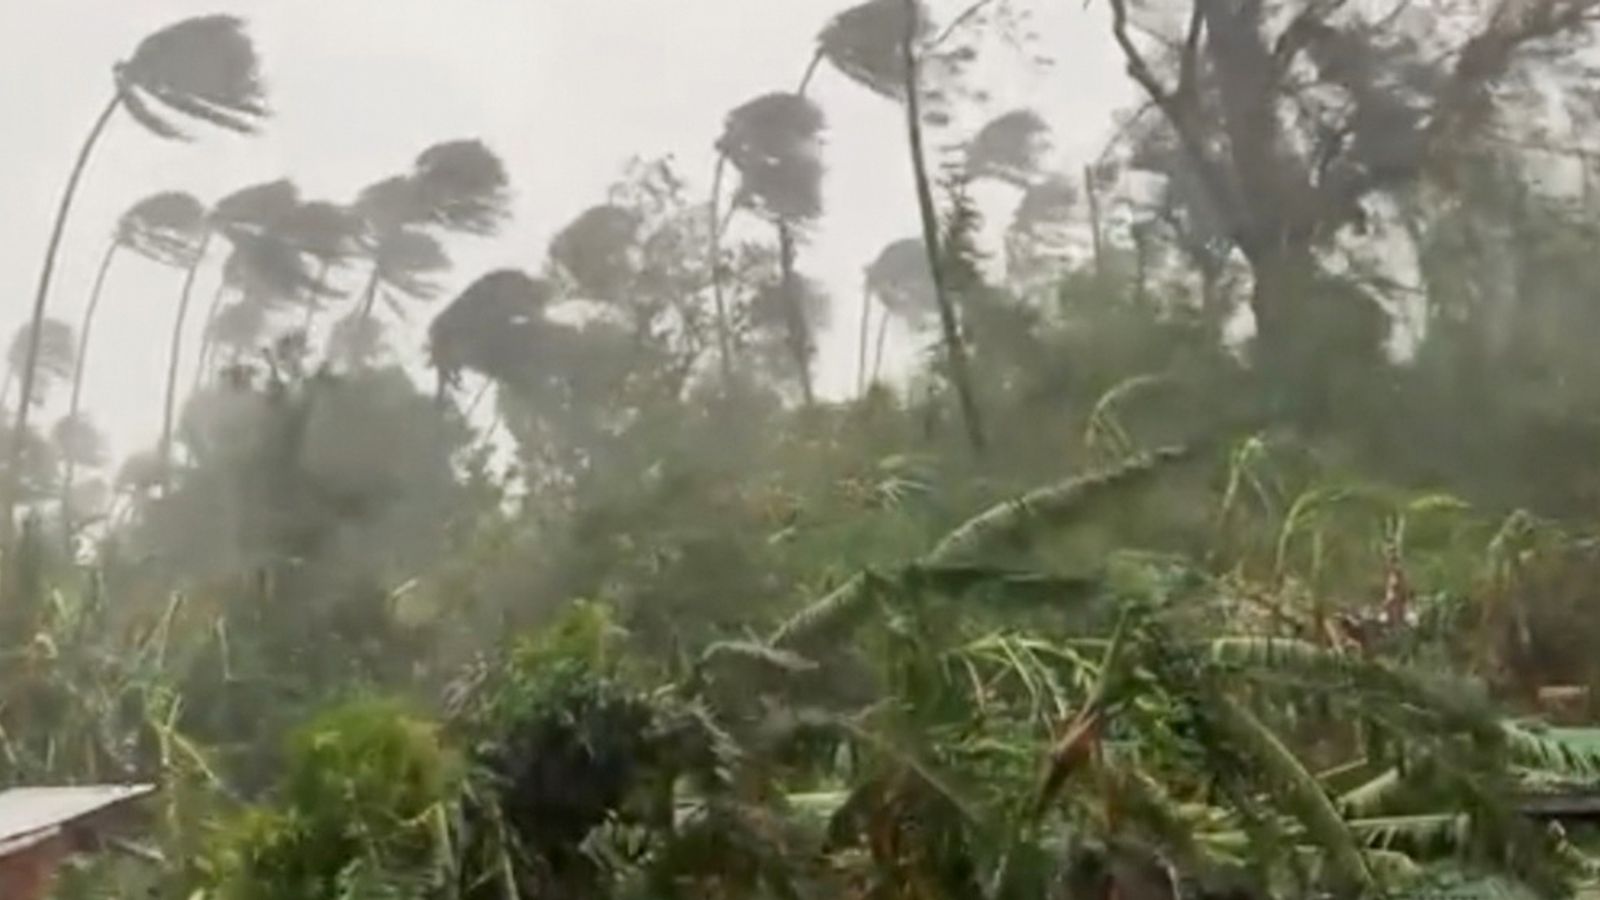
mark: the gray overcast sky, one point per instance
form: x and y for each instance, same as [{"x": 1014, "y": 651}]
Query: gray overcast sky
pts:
[{"x": 565, "y": 90}]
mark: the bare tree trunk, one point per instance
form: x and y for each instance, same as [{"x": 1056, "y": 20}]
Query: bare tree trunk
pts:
[
  {"x": 19, "y": 428},
  {"x": 955, "y": 348},
  {"x": 80, "y": 366},
  {"x": 174, "y": 356}
]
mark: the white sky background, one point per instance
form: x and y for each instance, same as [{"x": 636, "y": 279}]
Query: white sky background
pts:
[{"x": 566, "y": 91}]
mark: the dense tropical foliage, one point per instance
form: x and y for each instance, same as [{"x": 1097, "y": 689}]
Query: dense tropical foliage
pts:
[{"x": 1105, "y": 596}]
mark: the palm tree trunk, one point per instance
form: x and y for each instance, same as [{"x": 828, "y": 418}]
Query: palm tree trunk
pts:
[
  {"x": 1095, "y": 232},
  {"x": 877, "y": 355},
  {"x": 955, "y": 349},
  {"x": 207, "y": 344},
  {"x": 861, "y": 340},
  {"x": 174, "y": 356},
  {"x": 81, "y": 365},
  {"x": 313, "y": 295},
  {"x": 795, "y": 314},
  {"x": 724, "y": 330},
  {"x": 369, "y": 294},
  {"x": 19, "y": 431}
]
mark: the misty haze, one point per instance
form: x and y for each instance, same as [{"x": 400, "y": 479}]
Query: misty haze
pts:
[{"x": 796, "y": 450}]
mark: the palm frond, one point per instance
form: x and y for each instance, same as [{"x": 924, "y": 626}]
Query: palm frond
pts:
[
  {"x": 463, "y": 186},
  {"x": 900, "y": 279},
  {"x": 1009, "y": 148},
  {"x": 163, "y": 227},
  {"x": 866, "y": 43},
  {"x": 774, "y": 141},
  {"x": 204, "y": 67}
]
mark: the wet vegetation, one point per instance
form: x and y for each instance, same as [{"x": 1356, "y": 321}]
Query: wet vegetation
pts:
[{"x": 1233, "y": 536}]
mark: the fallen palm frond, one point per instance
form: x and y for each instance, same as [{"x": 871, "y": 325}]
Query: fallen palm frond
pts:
[{"x": 835, "y": 615}]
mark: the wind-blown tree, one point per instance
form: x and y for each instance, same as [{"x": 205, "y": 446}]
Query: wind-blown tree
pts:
[
  {"x": 1036, "y": 235},
  {"x": 458, "y": 186},
  {"x": 1296, "y": 121},
  {"x": 1010, "y": 148},
  {"x": 164, "y": 228},
  {"x": 52, "y": 347},
  {"x": 204, "y": 69},
  {"x": 271, "y": 269},
  {"x": 883, "y": 46},
  {"x": 774, "y": 143},
  {"x": 494, "y": 327},
  {"x": 642, "y": 257},
  {"x": 247, "y": 218},
  {"x": 327, "y": 233},
  {"x": 898, "y": 281}
]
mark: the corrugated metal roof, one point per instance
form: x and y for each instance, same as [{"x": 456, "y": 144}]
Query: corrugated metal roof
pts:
[{"x": 31, "y": 810}]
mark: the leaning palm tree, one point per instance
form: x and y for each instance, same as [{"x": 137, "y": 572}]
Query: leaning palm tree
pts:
[
  {"x": 774, "y": 143},
  {"x": 900, "y": 282},
  {"x": 163, "y": 228},
  {"x": 881, "y": 45},
  {"x": 203, "y": 68},
  {"x": 245, "y": 217},
  {"x": 51, "y": 345},
  {"x": 457, "y": 186}
]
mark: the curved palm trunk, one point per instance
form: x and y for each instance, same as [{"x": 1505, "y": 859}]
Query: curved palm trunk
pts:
[
  {"x": 174, "y": 355},
  {"x": 8, "y": 492},
  {"x": 877, "y": 355},
  {"x": 795, "y": 314},
  {"x": 369, "y": 294},
  {"x": 955, "y": 349},
  {"x": 861, "y": 340},
  {"x": 208, "y": 345},
  {"x": 724, "y": 334},
  {"x": 81, "y": 365}
]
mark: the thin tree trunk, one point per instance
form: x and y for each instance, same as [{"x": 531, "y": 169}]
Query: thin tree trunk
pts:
[
  {"x": 169, "y": 408},
  {"x": 1096, "y": 235},
  {"x": 313, "y": 297},
  {"x": 955, "y": 349},
  {"x": 724, "y": 335},
  {"x": 861, "y": 340},
  {"x": 369, "y": 294},
  {"x": 81, "y": 365},
  {"x": 877, "y": 355},
  {"x": 795, "y": 314},
  {"x": 19, "y": 430},
  {"x": 208, "y": 344}
]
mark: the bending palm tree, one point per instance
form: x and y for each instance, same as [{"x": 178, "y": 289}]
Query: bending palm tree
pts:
[
  {"x": 163, "y": 228},
  {"x": 203, "y": 68},
  {"x": 876, "y": 44},
  {"x": 245, "y": 217},
  {"x": 772, "y": 141},
  {"x": 458, "y": 186}
]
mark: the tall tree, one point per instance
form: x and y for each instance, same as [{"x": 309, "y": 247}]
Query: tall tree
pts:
[
  {"x": 203, "y": 68},
  {"x": 882, "y": 45},
  {"x": 248, "y": 218},
  {"x": 164, "y": 228},
  {"x": 1294, "y": 118}
]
